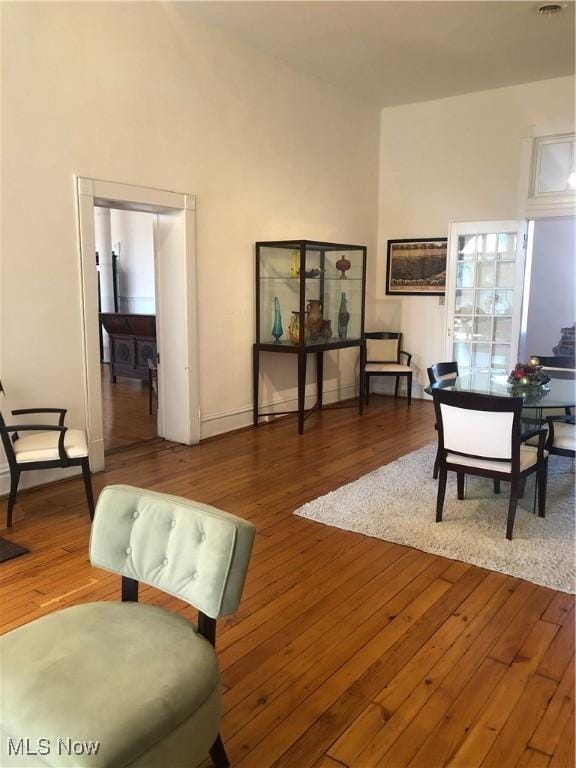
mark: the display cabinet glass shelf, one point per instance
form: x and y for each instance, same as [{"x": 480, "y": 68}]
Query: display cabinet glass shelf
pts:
[{"x": 310, "y": 297}]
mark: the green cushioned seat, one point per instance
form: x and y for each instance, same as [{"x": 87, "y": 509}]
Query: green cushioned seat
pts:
[
  {"x": 140, "y": 682},
  {"x": 146, "y": 670}
]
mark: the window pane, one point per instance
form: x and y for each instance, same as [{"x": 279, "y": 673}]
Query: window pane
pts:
[
  {"x": 482, "y": 329},
  {"x": 503, "y": 302},
  {"x": 485, "y": 272},
  {"x": 507, "y": 246},
  {"x": 555, "y": 159},
  {"x": 505, "y": 275},
  {"x": 481, "y": 356},
  {"x": 501, "y": 357},
  {"x": 464, "y": 303},
  {"x": 465, "y": 275},
  {"x": 484, "y": 302},
  {"x": 487, "y": 247},
  {"x": 467, "y": 248},
  {"x": 502, "y": 329},
  {"x": 462, "y": 355},
  {"x": 462, "y": 328}
]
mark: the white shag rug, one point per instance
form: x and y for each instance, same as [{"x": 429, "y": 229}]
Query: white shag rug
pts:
[{"x": 398, "y": 503}]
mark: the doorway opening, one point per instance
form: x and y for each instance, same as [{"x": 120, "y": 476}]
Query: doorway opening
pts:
[
  {"x": 177, "y": 404},
  {"x": 125, "y": 261}
]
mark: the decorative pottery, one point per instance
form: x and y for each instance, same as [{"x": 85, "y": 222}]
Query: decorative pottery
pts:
[
  {"x": 326, "y": 331},
  {"x": 343, "y": 265},
  {"x": 343, "y": 317},
  {"x": 295, "y": 264},
  {"x": 294, "y": 328},
  {"x": 277, "y": 329},
  {"x": 314, "y": 319}
]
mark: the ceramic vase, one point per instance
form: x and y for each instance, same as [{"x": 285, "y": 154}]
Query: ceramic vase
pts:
[
  {"x": 277, "y": 329},
  {"x": 343, "y": 265},
  {"x": 343, "y": 317},
  {"x": 314, "y": 319},
  {"x": 294, "y": 328},
  {"x": 326, "y": 332}
]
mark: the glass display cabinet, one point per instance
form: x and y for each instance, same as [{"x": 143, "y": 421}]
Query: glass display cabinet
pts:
[{"x": 310, "y": 298}]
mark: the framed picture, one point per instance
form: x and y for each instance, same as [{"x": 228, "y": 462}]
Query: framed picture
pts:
[{"x": 416, "y": 267}]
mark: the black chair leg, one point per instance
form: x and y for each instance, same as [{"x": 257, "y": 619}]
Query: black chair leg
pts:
[
  {"x": 512, "y": 508},
  {"x": 522, "y": 487},
  {"x": 460, "y": 484},
  {"x": 409, "y": 388},
  {"x": 397, "y": 387},
  {"x": 441, "y": 494},
  {"x": 542, "y": 482},
  {"x": 218, "y": 754},
  {"x": 14, "y": 480},
  {"x": 496, "y": 486},
  {"x": 87, "y": 477},
  {"x": 436, "y": 465},
  {"x": 367, "y": 388}
]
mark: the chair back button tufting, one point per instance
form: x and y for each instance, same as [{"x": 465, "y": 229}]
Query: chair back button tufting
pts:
[
  {"x": 173, "y": 524},
  {"x": 128, "y": 550},
  {"x": 136, "y": 515},
  {"x": 165, "y": 561}
]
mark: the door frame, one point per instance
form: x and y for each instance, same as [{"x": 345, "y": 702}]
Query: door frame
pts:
[
  {"x": 96, "y": 192},
  {"x": 484, "y": 227}
]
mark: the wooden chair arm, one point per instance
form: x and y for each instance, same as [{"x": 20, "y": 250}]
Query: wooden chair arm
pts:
[
  {"x": 408, "y": 356},
  {"x": 61, "y": 411},
  {"x": 42, "y": 428}
]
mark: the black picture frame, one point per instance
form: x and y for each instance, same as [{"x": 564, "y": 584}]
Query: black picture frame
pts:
[{"x": 432, "y": 279}]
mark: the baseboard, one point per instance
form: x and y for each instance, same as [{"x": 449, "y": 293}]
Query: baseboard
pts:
[
  {"x": 34, "y": 477},
  {"x": 227, "y": 421}
]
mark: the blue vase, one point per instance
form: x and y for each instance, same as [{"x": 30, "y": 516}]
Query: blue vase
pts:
[
  {"x": 343, "y": 317},
  {"x": 277, "y": 329}
]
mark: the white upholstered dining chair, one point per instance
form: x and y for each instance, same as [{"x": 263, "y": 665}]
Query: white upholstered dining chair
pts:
[
  {"x": 42, "y": 446},
  {"x": 481, "y": 435}
]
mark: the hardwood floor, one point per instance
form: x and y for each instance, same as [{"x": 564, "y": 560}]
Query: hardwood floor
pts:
[
  {"x": 125, "y": 412},
  {"x": 346, "y": 650}
]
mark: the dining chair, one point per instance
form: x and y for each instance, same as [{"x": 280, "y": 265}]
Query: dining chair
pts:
[
  {"x": 42, "y": 446},
  {"x": 561, "y": 436},
  {"x": 441, "y": 374},
  {"x": 481, "y": 435},
  {"x": 382, "y": 353},
  {"x": 140, "y": 680}
]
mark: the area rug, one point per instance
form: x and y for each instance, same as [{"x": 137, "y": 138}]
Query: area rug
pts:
[{"x": 397, "y": 503}]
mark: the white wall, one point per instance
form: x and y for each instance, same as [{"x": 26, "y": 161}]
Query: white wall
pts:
[
  {"x": 456, "y": 159},
  {"x": 551, "y": 303},
  {"x": 132, "y": 234},
  {"x": 132, "y": 92}
]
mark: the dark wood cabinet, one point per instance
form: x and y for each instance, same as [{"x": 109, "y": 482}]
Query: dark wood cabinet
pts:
[{"x": 132, "y": 343}]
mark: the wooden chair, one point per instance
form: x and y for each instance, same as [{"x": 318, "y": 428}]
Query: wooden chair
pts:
[
  {"x": 441, "y": 374},
  {"x": 43, "y": 446},
  {"x": 481, "y": 435},
  {"x": 381, "y": 357},
  {"x": 141, "y": 679},
  {"x": 152, "y": 384},
  {"x": 561, "y": 436}
]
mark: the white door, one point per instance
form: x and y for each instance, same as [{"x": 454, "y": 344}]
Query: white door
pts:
[
  {"x": 175, "y": 330},
  {"x": 485, "y": 279}
]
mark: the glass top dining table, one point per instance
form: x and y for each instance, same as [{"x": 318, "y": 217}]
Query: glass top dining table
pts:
[{"x": 559, "y": 392}]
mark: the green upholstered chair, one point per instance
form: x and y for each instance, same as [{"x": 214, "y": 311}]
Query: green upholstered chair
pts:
[{"x": 140, "y": 681}]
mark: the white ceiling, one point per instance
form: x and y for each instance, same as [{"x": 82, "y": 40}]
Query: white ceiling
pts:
[{"x": 392, "y": 52}]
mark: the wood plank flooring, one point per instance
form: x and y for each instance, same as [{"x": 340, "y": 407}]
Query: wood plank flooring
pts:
[
  {"x": 125, "y": 414},
  {"x": 346, "y": 650}
]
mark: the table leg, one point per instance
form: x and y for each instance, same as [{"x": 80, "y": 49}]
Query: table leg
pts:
[
  {"x": 362, "y": 379},
  {"x": 255, "y": 381},
  {"x": 319, "y": 377},
  {"x": 301, "y": 389}
]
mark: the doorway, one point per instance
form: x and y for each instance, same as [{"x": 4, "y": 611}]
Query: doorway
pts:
[
  {"x": 125, "y": 262},
  {"x": 178, "y": 415}
]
